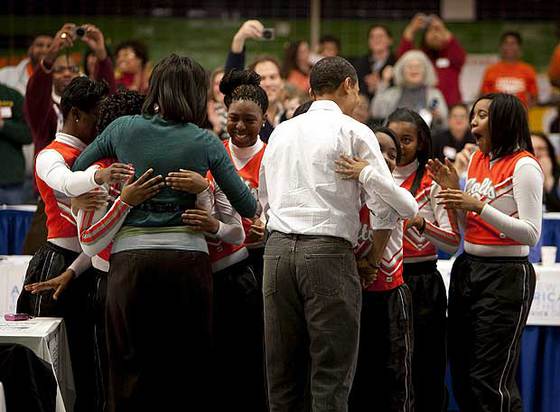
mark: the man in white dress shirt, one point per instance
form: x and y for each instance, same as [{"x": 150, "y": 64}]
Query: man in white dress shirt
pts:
[{"x": 311, "y": 287}]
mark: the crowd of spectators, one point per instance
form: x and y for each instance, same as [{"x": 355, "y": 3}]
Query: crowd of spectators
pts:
[{"x": 421, "y": 72}]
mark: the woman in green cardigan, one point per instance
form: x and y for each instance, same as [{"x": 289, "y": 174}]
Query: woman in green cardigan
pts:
[{"x": 160, "y": 280}]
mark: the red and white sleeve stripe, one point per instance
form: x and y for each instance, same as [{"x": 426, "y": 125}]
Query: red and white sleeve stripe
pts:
[{"x": 98, "y": 228}]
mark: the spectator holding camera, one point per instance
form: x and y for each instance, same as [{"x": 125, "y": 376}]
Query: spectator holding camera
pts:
[
  {"x": 265, "y": 66},
  {"x": 42, "y": 100},
  {"x": 442, "y": 48}
]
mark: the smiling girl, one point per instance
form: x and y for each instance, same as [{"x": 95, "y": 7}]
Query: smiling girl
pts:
[
  {"x": 383, "y": 371},
  {"x": 492, "y": 283},
  {"x": 431, "y": 229},
  {"x": 238, "y": 311}
]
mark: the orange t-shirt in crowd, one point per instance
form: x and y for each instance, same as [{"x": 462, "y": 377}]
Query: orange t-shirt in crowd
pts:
[
  {"x": 298, "y": 79},
  {"x": 517, "y": 78},
  {"x": 554, "y": 66}
]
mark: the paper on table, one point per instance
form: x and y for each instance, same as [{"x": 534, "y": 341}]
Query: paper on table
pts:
[{"x": 30, "y": 327}]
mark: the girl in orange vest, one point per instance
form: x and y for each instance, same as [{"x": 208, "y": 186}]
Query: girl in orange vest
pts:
[
  {"x": 237, "y": 301},
  {"x": 433, "y": 228},
  {"x": 383, "y": 372},
  {"x": 492, "y": 283}
]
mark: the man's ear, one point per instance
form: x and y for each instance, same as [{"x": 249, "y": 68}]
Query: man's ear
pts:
[{"x": 348, "y": 85}]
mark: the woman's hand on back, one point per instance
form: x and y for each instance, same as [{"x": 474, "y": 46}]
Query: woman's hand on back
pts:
[
  {"x": 186, "y": 181},
  {"x": 146, "y": 187}
]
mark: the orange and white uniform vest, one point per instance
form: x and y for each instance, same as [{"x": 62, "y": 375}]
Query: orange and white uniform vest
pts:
[
  {"x": 223, "y": 254},
  {"x": 249, "y": 173},
  {"x": 441, "y": 228},
  {"x": 389, "y": 275},
  {"x": 60, "y": 222},
  {"x": 494, "y": 183}
]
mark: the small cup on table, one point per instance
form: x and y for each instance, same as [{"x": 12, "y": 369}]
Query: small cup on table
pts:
[{"x": 548, "y": 255}]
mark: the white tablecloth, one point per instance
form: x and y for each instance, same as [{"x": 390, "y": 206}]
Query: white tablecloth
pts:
[
  {"x": 545, "y": 309},
  {"x": 12, "y": 274},
  {"x": 46, "y": 337}
]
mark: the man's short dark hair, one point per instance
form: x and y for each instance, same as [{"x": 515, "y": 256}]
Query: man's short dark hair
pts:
[
  {"x": 328, "y": 73},
  {"x": 515, "y": 34}
]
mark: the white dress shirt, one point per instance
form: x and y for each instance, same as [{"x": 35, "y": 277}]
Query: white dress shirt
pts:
[{"x": 299, "y": 189}]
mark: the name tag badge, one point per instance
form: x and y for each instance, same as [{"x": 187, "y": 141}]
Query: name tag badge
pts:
[
  {"x": 6, "y": 112},
  {"x": 442, "y": 63}
]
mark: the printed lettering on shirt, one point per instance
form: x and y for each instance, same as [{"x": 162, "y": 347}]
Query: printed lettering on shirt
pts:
[
  {"x": 510, "y": 85},
  {"x": 365, "y": 237},
  {"x": 481, "y": 190}
]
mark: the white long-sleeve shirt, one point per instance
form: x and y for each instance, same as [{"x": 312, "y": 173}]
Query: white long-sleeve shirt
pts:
[
  {"x": 231, "y": 228},
  {"x": 54, "y": 171},
  {"x": 404, "y": 203},
  {"x": 298, "y": 187}
]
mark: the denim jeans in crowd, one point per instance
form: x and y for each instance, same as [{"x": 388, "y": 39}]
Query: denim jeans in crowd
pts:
[{"x": 312, "y": 303}]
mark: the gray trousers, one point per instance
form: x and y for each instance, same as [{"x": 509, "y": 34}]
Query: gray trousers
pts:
[{"x": 312, "y": 304}]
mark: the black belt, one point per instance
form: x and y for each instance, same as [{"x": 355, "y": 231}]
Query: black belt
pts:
[{"x": 158, "y": 207}]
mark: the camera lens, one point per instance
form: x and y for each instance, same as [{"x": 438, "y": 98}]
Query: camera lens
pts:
[
  {"x": 80, "y": 31},
  {"x": 267, "y": 34}
]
